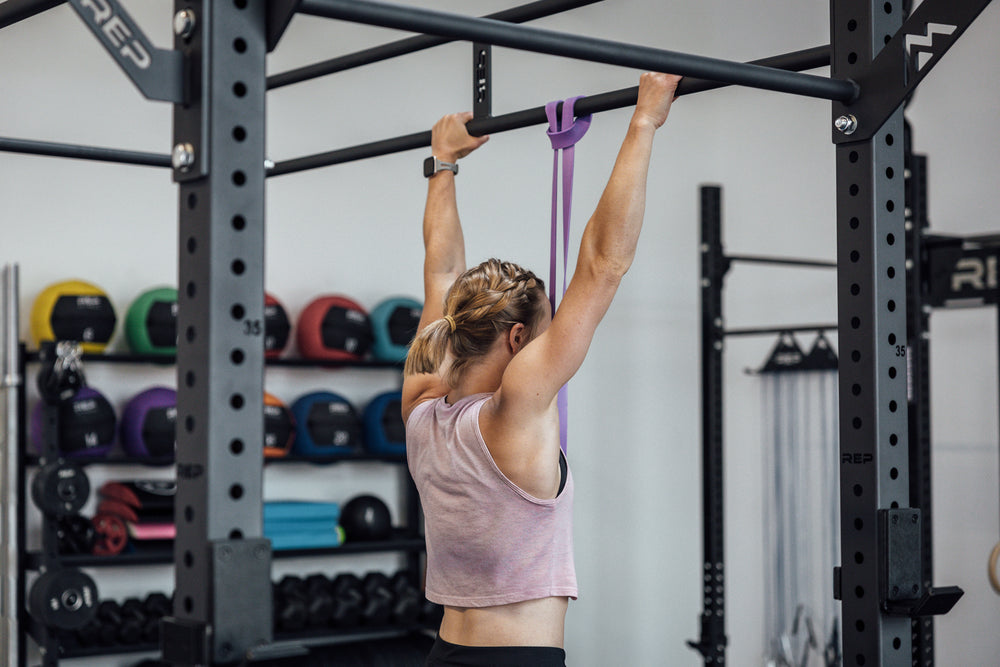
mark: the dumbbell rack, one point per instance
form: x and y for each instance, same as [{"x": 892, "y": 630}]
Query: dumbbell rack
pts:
[{"x": 407, "y": 539}]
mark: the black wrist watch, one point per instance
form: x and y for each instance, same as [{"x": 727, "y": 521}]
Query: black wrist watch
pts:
[{"x": 432, "y": 165}]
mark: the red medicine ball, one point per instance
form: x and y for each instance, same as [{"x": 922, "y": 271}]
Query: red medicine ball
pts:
[{"x": 334, "y": 328}]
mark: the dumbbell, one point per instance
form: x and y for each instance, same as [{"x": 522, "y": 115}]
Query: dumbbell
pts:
[
  {"x": 156, "y": 606},
  {"x": 406, "y": 609},
  {"x": 133, "y": 621},
  {"x": 378, "y": 599},
  {"x": 319, "y": 601},
  {"x": 348, "y": 601},
  {"x": 109, "y": 619},
  {"x": 290, "y": 611}
]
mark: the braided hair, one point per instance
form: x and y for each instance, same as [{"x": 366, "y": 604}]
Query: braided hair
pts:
[{"x": 483, "y": 303}]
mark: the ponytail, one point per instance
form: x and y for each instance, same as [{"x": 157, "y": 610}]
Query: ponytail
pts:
[{"x": 428, "y": 349}]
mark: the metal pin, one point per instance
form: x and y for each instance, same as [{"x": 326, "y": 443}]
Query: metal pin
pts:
[{"x": 182, "y": 157}]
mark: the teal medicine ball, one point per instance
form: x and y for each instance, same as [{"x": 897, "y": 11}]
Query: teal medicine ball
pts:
[{"x": 394, "y": 324}]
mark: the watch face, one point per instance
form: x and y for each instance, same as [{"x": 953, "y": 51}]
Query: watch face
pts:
[{"x": 429, "y": 167}]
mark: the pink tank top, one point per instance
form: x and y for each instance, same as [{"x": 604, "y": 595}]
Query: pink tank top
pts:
[{"x": 488, "y": 542}]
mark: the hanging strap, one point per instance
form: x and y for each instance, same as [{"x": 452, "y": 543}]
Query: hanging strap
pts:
[{"x": 563, "y": 133}]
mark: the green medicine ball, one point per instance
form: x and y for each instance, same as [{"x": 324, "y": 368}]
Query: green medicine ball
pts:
[{"x": 151, "y": 322}]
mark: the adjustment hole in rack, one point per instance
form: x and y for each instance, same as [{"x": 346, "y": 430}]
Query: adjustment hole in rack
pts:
[
  {"x": 858, "y": 490},
  {"x": 889, "y": 172},
  {"x": 191, "y": 333},
  {"x": 859, "y": 557},
  {"x": 852, "y": 25},
  {"x": 887, "y": 39},
  {"x": 891, "y": 306},
  {"x": 188, "y": 604},
  {"x": 239, "y": 89},
  {"x": 890, "y": 238},
  {"x": 240, "y": 4},
  {"x": 236, "y": 491},
  {"x": 859, "y": 659},
  {"x": 189, "y": 378},
  {"x": 890, "y": 206},
  {"x": 892, "y": 339},
  {"x": 239, "y": 45},
  {"x": 894, "y": 505},
  {"x": 852, "y": 58},
  {"x": 188, "y": 513},
  {"x": 191, "y": 289},
  {"x": 887, "y": 7},
  {"x": 239, "y": 133},
  {"x": 889, "y": 140},
  {"x": 855, "y": 223},
  {"x": 240, "y": 178},
  {"x": 859, "y": 591},
  {"x": 891, "y": 272},
  {"x": 854, "y": 190},
  {"x": 853, "y": 156},
  {"x": 855, "y": 322},
  {"x": 192, "y": 245},
  {"x": 893, "y": 406},
  {"x": 894, "y": 473},
  {"x": 237, "y": 356},
  {"x": 855, "y": 255},
  {"x": 236, "y": 401},
  {"x": 897, "y": 643},
  {"x": 189, "y": 424},
  {"x": 188, "y": 559},
  {"x": 192, "y": 200},
  {"x": 236, "y": 534},
  {"x": 859, "y": 626},
  {"x": 855, "y": 356},
  {"x": 237, "y": 311},
  {"x": 856, "y": 423},
  {"x": 858, "y": 523},
  {"x": 239, "y": 223},
  {"x": 892, "y": 372},
  {"x": 856, "y": 389},
  {"x": 855, "y": 289},
  {"x": 238, "y": 267},
  {"x": 893, "y": 439},
  {"x": 236, "y": 446}
]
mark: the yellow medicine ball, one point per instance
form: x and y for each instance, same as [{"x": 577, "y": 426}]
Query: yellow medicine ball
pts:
[{"x": 73, "y": 310}]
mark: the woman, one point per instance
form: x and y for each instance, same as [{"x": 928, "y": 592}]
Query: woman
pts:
[{"x": 479, "y": 403}]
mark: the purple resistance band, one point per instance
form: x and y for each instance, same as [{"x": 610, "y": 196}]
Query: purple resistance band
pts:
[{"x": 563, "y": 133}]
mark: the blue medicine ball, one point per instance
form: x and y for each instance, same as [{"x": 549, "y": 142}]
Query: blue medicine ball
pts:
[
  {"x": 385, "y": 432},
  {"x": 326, "y": 425}
]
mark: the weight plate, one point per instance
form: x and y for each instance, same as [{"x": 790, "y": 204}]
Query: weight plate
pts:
[
  {"x": 60, "y": 488},
  {"x": 63, "y": 599}
]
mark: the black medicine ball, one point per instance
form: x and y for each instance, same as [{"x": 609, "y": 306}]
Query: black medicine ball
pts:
[{"x": 365, "y": 519}]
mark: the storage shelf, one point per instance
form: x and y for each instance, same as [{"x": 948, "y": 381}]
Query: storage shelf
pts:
[
  {"x": 32, "y": 459},
  {"x": 310, "y": 637},
  {"x": 164, "y": 556},
  {"x": 168, "y": 359}
]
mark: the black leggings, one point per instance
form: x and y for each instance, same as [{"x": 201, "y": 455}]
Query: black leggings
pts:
[{"x": 444, "y": 654}]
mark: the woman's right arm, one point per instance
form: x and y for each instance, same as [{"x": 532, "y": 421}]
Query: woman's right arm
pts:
[
  {"x": 444, "y": 244},
  {"x": 607, "y": 249}
]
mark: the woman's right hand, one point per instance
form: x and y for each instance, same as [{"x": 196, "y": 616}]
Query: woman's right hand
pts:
[
  {"x": 451, "y": 141},
  {"x": 656, "y": 94}
]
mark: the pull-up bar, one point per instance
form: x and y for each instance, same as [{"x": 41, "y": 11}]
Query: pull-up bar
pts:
[
  {"x": 617, "y": 99},
  {"x": 13, "y": 11},
  {"x": 529, "y": 12},
  {"x": 528, "y": 38}
]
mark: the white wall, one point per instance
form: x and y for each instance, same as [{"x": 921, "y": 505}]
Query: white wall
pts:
[{"x": 634, "y": 407}]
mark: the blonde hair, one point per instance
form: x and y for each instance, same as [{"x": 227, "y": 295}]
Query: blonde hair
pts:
[{"x": 484, "y": 302}]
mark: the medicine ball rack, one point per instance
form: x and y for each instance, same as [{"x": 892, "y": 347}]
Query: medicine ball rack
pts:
[
  {"x": 407, "y": 540},
  {"x": 879, "y": 54}
]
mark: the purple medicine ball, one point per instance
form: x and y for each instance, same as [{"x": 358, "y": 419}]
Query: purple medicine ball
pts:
[
  {"x": 87, "y": 425},
  {"x": 149, "y": 423}
]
